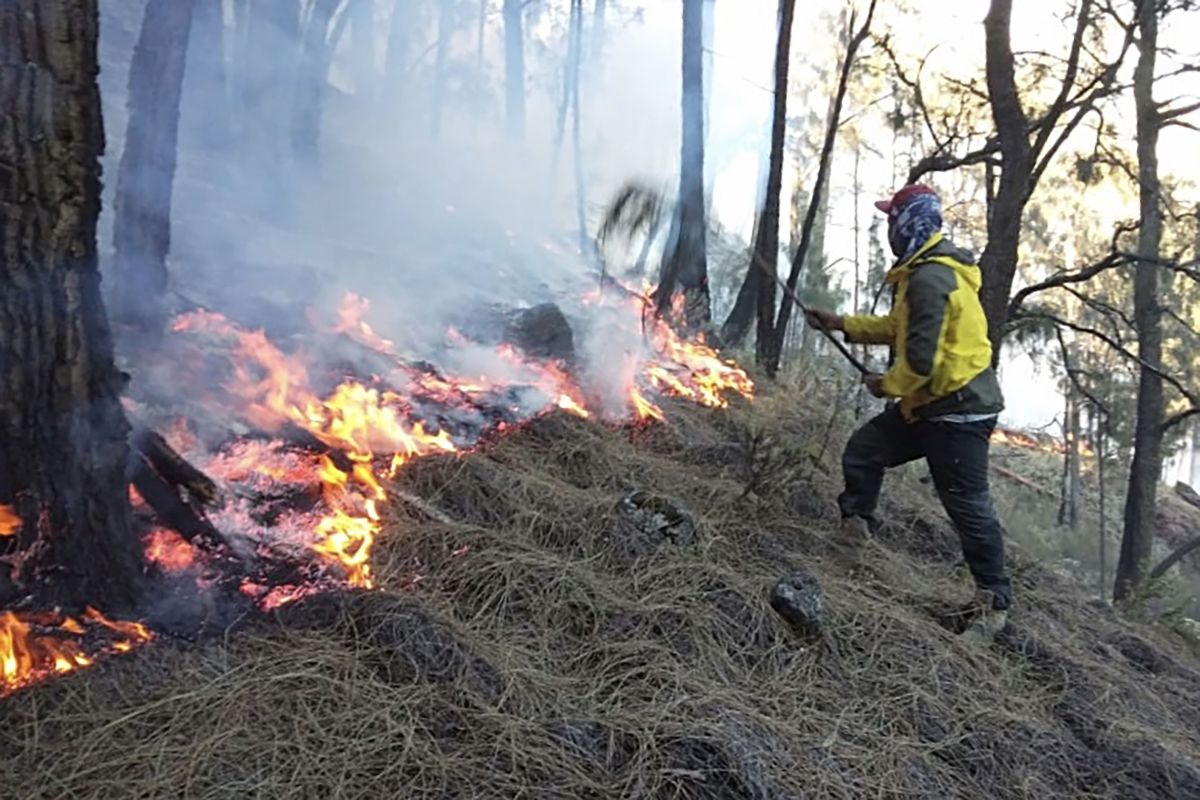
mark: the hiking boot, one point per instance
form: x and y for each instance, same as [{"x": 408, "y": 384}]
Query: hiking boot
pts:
[
  {"x": 986, "y": 619},
  {"x": 854, "y": 533}
]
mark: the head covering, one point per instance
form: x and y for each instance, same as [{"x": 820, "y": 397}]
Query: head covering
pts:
[{"x": 914, "y": 215}]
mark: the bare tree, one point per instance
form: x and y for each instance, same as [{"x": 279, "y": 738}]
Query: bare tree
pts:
[
  {"x": 1020, "y": 149},
  {"x": 757, "y": 293},
  {"x": 142, "y": 228},
  {"x": 1138, "y": 534},
  {"x": 780, "y": 329},
  {"x": 63, "y": 448},
  {"x": 685, "y": 262}
]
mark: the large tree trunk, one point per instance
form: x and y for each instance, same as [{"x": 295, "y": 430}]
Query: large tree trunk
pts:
[
  {"x": 514, "y": 67},
  {"x": 999, "y": 260},
  {"x": 142, "y": 228},
  {"x": 686, "y": 264},
  {"x": 758, "y": 289},
  {"x": 1138, "y": 534},
  {"x": 63, "y": 446}
]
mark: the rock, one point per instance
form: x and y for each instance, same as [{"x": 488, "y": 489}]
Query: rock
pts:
[
  {"x": 541, "y": 332},
  {"x": 659, "y": 517},
  {"x": 797, "y": 598}
]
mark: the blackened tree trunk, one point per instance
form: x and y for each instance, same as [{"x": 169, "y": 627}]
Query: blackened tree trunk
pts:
[
  {"x": 685, "y": 264},
  {"x": 999, "y": 260},
  {"x": 757, "y": 293},
  {"x": 514, "y": 67},
  {"x": 311, "y": 80},
  {"x": 142, "y": 228},
  {"x": 1138, "y": 534},
  {"x": 63, "y": 433}
]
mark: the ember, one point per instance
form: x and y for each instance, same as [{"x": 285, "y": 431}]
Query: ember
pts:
[
  {"x": 10, "y": 523},
  {"x": 169, "y": 550}
]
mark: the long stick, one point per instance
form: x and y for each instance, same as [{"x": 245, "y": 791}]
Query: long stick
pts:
[{"x": 858, "y": 365}]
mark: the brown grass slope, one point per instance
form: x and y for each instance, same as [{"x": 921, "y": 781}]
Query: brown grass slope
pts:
[{"x": 551, "y": 649}]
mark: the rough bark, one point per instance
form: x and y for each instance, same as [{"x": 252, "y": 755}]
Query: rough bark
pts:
[
  {"x": 142, "y": 227},
  {"x": 1069, "y": 499},
  {"x": 999, "y": 259},
  {"x": 63, "y": 447},
  {"x": 1138, "y": 534},
  {"x": 685, "y": 264},
  {"x": 757, "y": 295},
  {"x": 514, "y": 67}
]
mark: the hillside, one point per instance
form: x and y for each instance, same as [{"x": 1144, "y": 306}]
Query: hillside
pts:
[{"x": 533, "y": 636}]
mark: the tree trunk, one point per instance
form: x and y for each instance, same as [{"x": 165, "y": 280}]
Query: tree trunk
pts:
[
  {"x": 1101, "y": 429},
  {"x": 312, "y": 79},
  {"x": 142, "y": 227},
  {"x": 800, "y": 256},
  {"x": 205, "y": 78},
  {"x": 63, "y": 434},
  {"x": 757, "y": 295},
  {"x": 1138, "y": 534},
  {"x": 685, "y": 264},
  {"x": 1194, "y": 472},
  {"x": 999, "y": 260},
  {"x": 481, "y": 34},
  {"x": 1068, "y": 505},
  {"x": 514, "y": 67},
  {"x": 576, "y": 127}
]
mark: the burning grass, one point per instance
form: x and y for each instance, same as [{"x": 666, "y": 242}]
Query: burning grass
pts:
[{"x": 530, "y": 643}]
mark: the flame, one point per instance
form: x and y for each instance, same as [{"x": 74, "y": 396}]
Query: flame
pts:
[
  {"x": 10, "y": 523},
  {"x": 351, "y": 321},
  {"x": 169, "y": 550},
  {"x": 27, "y": 654},
  {"x": 1026, "y": 441}
]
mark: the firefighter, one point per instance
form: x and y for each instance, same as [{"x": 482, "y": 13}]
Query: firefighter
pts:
[{"x": 943, "y": 396}]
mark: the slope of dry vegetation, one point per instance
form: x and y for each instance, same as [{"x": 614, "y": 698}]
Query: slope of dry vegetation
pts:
[{"x": 539, "y": 643}]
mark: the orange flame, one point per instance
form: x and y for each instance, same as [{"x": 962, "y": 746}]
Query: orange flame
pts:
[
  {"x": 10, "y": 523},
  {"x": 169, "y": 550},
  {"x": 28, "y": 655}
]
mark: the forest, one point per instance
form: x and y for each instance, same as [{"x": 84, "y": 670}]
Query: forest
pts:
[{"x": 442, "y": 398}]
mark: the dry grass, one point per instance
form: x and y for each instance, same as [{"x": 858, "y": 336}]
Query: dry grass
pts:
[{"x": 552, "y": 649}]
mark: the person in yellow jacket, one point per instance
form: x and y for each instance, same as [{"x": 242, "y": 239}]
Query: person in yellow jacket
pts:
[{"x": 945, "y": 397}]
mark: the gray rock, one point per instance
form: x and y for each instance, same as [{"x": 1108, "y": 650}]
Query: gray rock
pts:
[{"x": 797, "y": 598}]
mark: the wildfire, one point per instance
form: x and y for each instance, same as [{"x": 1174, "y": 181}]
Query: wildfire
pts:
[
  {"x": 1025, "y": 441},
  {"x": 169, "y": 550},
  {"x": 10, "y": 523},
  {"x": 37, "y": 646},
  {"x": 372, "y": 428}
]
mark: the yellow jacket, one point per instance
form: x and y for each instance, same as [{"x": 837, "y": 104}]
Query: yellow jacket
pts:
[{"x": 943, "y": 361}]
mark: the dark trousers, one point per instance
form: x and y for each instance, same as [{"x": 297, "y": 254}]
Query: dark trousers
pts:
[{"x": 957, "y": 454}]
